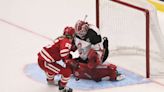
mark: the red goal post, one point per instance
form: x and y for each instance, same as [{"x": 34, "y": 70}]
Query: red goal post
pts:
[{"x": 147, "y": 30}]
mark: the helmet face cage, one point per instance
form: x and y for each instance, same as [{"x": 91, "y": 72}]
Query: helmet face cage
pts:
[{"x": 81, "y": 28}]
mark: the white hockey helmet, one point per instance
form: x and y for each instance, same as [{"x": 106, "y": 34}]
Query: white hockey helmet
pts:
[{"x": 81, "y": 28}]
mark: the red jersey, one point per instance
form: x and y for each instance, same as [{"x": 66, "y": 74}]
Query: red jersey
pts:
[{"x": 60, "y": 49}]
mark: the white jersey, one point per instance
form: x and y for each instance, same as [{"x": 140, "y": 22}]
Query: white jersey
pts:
[{"x": 83, "y": 48}]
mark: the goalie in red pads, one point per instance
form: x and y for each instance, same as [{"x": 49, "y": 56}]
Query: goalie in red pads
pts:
[
  {"x": 93, "y": 51},
  {"x": 94, "y": 70}
]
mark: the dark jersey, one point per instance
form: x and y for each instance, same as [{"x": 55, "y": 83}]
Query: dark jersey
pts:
[{"x": 92, "y": 37}]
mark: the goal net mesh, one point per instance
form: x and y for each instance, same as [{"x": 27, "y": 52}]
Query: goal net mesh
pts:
[{"x": 125, "y": 28}]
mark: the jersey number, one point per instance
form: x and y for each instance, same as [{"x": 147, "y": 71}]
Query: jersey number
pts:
[{"x": 68, "y": 45}]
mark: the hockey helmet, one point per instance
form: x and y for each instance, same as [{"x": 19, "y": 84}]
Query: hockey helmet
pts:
[
  {"x": 69, "y": 32},
  {"x": 81, "y": 28}
]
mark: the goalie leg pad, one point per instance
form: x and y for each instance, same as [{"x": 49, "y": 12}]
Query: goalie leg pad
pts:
[{"x": 93, "y": 59}]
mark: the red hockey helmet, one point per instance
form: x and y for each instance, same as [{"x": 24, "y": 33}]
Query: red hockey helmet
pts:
[
  {"x": 69, "y": 32},
  {"x": 81, "y": 28}
]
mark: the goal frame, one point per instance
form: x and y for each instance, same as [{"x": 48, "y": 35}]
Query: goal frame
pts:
[{"x": 147, "y": 30}]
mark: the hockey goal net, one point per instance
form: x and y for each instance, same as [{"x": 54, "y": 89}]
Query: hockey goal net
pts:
[{"x": 133, "y": 30}]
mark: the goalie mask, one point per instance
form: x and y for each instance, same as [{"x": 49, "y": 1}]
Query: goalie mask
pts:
[
  {"x": 81, "y": 28},
  {"x": 69, "y": 32}
]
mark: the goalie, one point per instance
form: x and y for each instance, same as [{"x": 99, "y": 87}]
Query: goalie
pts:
[{"x": 93, "y": 51}]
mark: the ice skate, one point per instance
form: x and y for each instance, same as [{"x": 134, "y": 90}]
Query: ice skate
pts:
[
  {"x": 64, "y": 89},
  {"x": 120, "y": 77},
  {"x": 77, "y": 79}
]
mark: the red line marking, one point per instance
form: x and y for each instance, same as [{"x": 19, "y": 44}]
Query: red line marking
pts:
[{"x": 25, "y": 29}]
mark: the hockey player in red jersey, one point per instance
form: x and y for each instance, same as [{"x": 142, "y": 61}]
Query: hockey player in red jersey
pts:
[
  {"x": 50, "y": 55},
  {"x": 93, "y": 51}
]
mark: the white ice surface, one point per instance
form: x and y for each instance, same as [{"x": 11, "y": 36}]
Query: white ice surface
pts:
[{"x": 47, "y": 17}]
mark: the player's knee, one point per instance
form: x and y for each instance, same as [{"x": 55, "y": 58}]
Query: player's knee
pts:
[{"x": 67, "y": 72}]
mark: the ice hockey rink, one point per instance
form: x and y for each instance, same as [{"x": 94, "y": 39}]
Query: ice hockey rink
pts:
[{"x": 28, "y": 25}]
